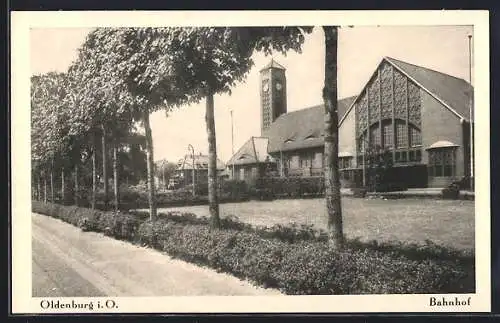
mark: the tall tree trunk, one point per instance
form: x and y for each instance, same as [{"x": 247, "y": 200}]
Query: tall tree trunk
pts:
[
  {"x": 76, "y": 194},
  {"x": 45, "y": 188},
  {"x": 213, "y": 202},
  {"x": 115, "y": 177},
  {"x": 150, "y": 165},
  {"x": 94, "y": 173},
  {"x": 332, "y": 181},
  {"x": 52, "y": 195},
  {"x": 63, "y": 187},
  {"x": 105, "y": 167},
  {"x": 38, "y": 189}
]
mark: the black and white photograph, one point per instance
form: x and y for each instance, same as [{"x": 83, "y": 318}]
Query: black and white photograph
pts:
[{"x": 168, "y": 162}]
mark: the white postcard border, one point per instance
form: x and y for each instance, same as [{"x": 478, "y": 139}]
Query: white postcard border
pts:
[{"x": 22, "y": 22}]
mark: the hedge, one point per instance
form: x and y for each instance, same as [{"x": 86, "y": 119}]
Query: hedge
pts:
[
  {"x": 290, "y": 186},
  {"x": 138, "y": 199},
  {"x": 269, "y": 257}
]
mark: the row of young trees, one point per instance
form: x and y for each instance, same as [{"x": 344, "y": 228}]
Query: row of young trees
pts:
[{"x": 122, "y": 75}]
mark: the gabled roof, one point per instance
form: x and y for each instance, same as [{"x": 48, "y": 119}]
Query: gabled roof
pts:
[
  {"x": 273, "y": 64},
  {"x": 454, "y": 92},
  {"x": 302, "y": 128},
  {"x": 200, "y": 161},
  {"x": 253, "y": 151}
]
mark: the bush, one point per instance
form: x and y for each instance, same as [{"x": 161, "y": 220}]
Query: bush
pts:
[
  {"x": 391, "y": 187},
  {"x": 296, "y": 260},
  {"x": 289, "y": 186},
  {"x": 359, "y": 192},
  {"x": 234, "y": 189},
  {"x": 463, "y": 183},
  {"x": 452, "y": 191},
  {"x": 117, "y": 225}
]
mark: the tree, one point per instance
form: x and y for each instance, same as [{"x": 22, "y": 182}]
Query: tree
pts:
[
  {"x": 212, "y": 60},
  {"x": 85, "y": 104},
  {"x": 139, "y": 62},
  {"x": 164, "y": 170},
  {"x": 50, "y": 128},
  {"x": 332, "y": 178},
  {"x": 105, "y": 106},
  {"x": 132, "y": 159},
  {"x": 282, "y": 39}
]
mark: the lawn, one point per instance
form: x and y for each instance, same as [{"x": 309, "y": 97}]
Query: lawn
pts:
[{"x": 444, "y": 222}]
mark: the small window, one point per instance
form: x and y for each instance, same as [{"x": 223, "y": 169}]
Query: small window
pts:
[
  {"x": 306, "y": 160},
  {"x": 404, "y": 157},
  {"x": 401, "y": 135},
  {"x": 375, "y": 136},
  {"x": 442, "y": 162},
  {"x": 415, "y": 137},
  {"x": 388, "y": 135},
  {"x": 418, "y": 155}
]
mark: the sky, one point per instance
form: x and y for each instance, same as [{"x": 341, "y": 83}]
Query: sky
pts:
[{"x": 360, "y": 49}]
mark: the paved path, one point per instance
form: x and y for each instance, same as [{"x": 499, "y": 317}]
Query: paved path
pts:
[{"x": 68, "y": 262}]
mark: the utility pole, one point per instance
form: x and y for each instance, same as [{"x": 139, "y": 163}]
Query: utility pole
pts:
[
  {"x": 232, "y": 143},
  {"x": 192, "y": 155},
  {"x": 471, "y": 118}
]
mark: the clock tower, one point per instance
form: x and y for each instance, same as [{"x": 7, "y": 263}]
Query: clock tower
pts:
[{"x": 272, "y": 94}]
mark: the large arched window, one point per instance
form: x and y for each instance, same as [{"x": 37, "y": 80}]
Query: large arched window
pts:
[{"x": 403, "y": 138}]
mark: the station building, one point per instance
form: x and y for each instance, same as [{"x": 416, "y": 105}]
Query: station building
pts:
[{"x": 421, "y": 116}]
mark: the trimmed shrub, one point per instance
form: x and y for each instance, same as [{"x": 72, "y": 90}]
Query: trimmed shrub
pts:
[
  {"x": 391, "y": 187},
  {"x": 359, "y": 192},
  {"x": 463, "y": 183},
  {"x": 234, "y": 189},
  {"x": 452, "y": 191},
  {"x": 136, "y": 198},
  {"x": 296, "y": 260},
  {"x": 291, "y": 186},
  {"x": 117, "y": 225}
]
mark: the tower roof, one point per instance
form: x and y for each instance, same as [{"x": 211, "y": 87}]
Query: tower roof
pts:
[{"x": 273, "y": 64}]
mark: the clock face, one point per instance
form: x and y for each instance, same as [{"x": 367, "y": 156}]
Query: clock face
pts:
[
  {"x": 265, "y": 86},
  {"x": 278, "y": 86}
]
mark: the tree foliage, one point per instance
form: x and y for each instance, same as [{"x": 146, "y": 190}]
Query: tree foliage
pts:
[{"x": 122, "y": 75}]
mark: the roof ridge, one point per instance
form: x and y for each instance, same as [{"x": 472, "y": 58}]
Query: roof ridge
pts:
[
  {"x": 317, "y": 105},
  {"x": 239, "y": 151},
  {"x": 254, "y": 150},
  {"x": 426, "y": 68}
]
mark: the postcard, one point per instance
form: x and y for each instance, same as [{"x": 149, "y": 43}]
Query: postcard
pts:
[{"x": 250, "y": 161}]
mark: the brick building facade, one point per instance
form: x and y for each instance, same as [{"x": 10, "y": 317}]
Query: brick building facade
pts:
[{"x": 419, "y": 115}]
